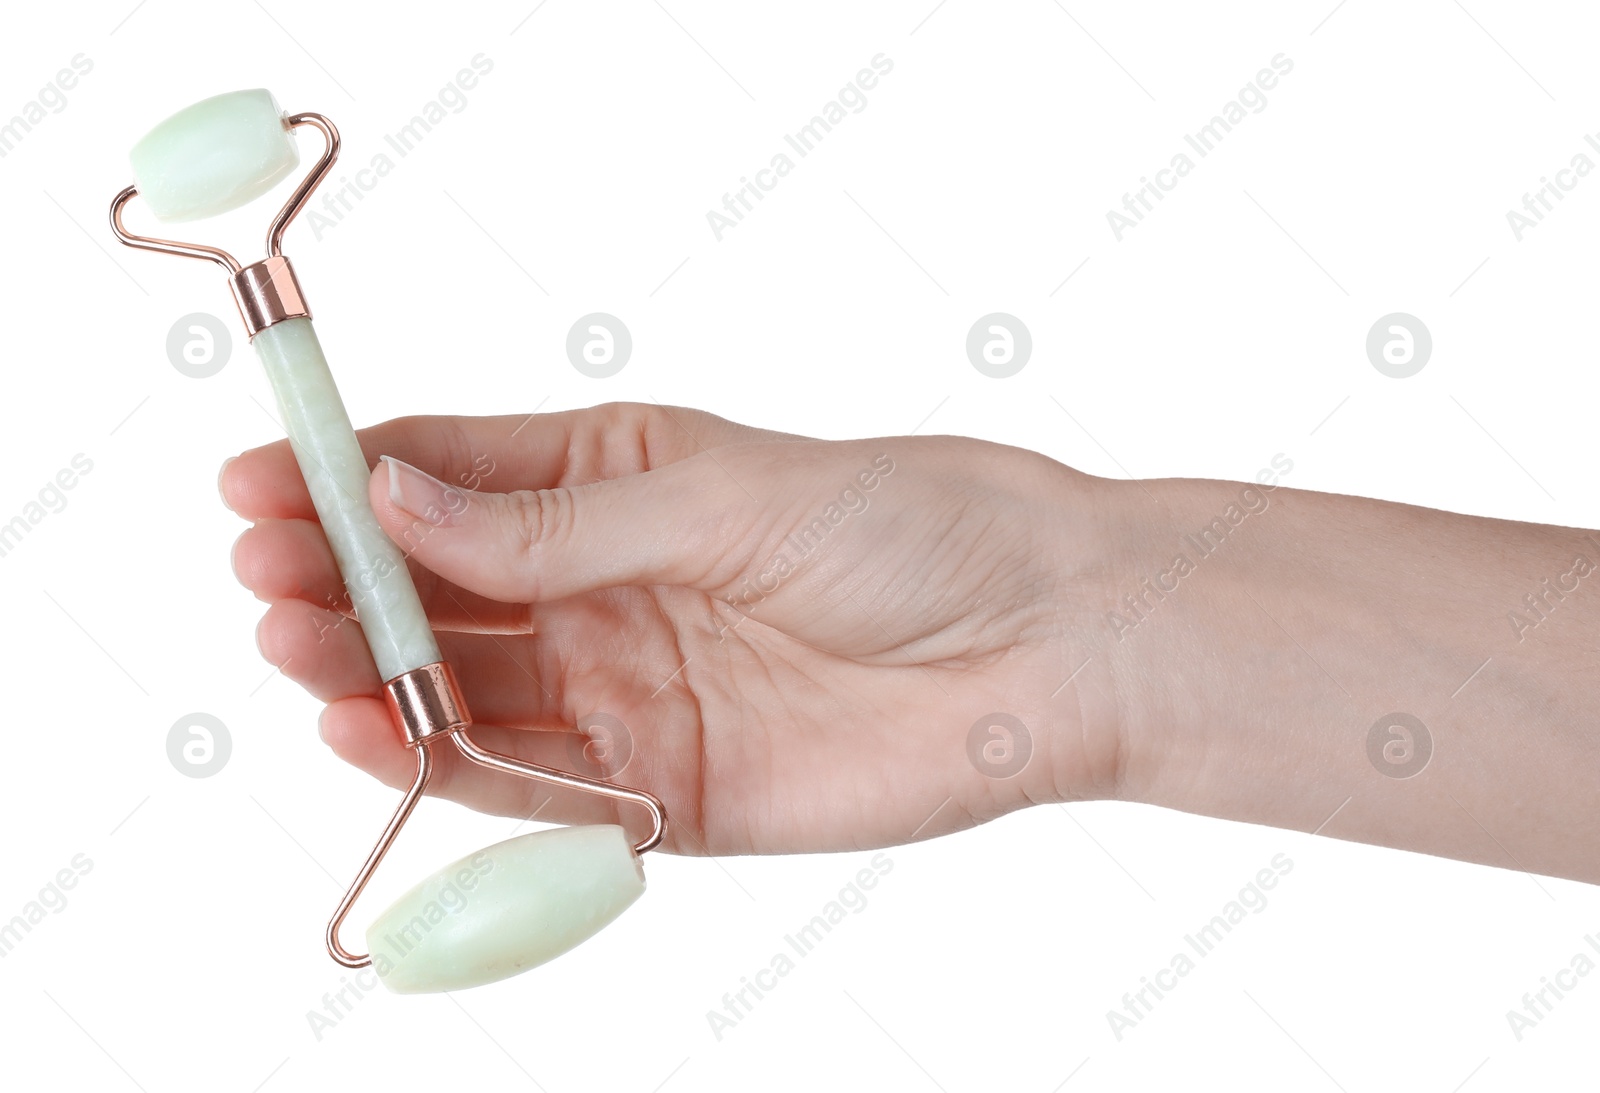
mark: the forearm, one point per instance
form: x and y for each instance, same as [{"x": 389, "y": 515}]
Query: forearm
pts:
[{"x": 1250, "y": 687}]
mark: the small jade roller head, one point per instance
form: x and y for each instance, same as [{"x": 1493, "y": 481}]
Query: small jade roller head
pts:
[
  {"x": 217, "y": 155},
  {"x": 518, "y": 903}
]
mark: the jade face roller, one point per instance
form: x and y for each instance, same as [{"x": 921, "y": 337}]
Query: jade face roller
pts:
[{"x": 520, "y": 902}]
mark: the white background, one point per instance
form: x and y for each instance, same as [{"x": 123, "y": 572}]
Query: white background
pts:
[{"x": 1226, "y": 328}]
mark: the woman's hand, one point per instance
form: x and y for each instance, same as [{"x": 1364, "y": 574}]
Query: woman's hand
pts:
[{"x": 798, "y": 645}]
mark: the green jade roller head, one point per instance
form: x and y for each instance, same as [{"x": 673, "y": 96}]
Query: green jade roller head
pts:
[{"x": 520, "y": 902}]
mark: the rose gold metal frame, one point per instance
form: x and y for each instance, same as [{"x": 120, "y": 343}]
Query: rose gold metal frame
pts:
[
  {"x": 426, "y": 704},
  {"x": 265, "y": 291}
]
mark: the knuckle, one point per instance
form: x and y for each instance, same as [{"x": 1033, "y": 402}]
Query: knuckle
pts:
[{"x": 540, "y": 519}]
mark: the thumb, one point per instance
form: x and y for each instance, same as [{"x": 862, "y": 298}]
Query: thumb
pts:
[{"x": 660, "y": 526}]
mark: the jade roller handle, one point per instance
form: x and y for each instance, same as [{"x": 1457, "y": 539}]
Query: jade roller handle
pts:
[{"x": 336, "y": 474}]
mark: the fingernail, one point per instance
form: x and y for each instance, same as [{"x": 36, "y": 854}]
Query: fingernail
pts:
[
  {"x": 423, "y": 495},
  {"x": 233, "y": 554},
  {"x": 220, "y": 473}
]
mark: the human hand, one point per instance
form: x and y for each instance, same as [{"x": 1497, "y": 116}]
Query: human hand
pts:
[{"x": 797, "y": 636}]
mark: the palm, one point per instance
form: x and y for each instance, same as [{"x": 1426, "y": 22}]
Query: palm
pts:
[{"x": 757, "y": 743}]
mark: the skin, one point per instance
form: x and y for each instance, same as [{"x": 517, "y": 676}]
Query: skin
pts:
[{"x": 638, "y": 561}]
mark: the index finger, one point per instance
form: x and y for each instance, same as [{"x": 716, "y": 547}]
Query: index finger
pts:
[{"x": 510, "y": 452}]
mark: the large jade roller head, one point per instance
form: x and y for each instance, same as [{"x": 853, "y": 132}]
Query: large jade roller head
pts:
[{"x": 518, "y": 903}]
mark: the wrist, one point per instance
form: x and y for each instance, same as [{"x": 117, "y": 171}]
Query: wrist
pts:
[
  {"x": 1074, "y": 674},
  {"x": 1192, "y": 654},
  {"x": 1170, "y": 620}
]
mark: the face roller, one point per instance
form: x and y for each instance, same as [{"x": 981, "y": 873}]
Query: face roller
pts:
[{"x": 518, "y": 903}]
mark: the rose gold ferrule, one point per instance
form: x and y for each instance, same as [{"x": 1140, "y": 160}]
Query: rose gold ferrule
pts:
[
  {"x": 267, "y": 292},
  {"x": 425, "y": 702}
]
